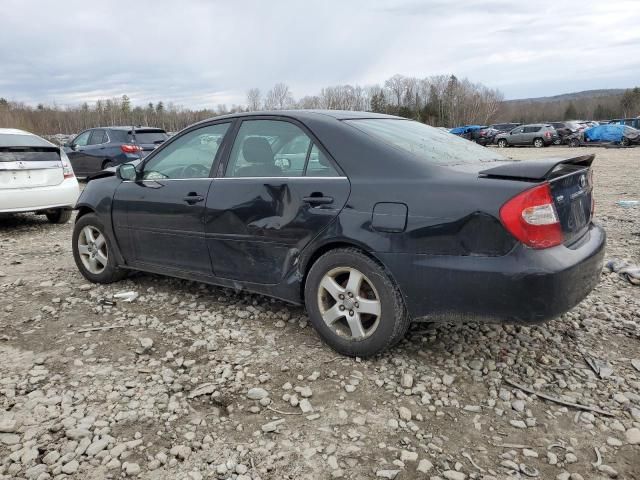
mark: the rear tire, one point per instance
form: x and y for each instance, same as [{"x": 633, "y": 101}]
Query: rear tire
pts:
[
  {"x": 538, "y": 142},
  {"x": 93, "y": 253},
  {"x": 574, "y": 142},
  {"x": 354, "y": 305},
  {"x": 502, "y": 143},
  {"x": 107, "y": 164},
  {"x": 59, "y": 215}
]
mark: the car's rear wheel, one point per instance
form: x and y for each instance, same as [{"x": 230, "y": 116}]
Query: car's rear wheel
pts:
[
  {"x": 538, "y": 143},
  {"x": 574, "y": 142},
  {"x": 502, "y": 143},
  {"x": 107, "y": 164},
  {"x": 92, "y": 253},
  {"x": 59, "y": 215},
  {"x": 354, "y": 305}
]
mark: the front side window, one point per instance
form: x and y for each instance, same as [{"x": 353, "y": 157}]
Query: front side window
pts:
[
  {"x": 82, "y": 139},
  {"x": 426, "y": 143},
  {"x": 268, "y": 148},
  {"x": 189, "y": 156}
]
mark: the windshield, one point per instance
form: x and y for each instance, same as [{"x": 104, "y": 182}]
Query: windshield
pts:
[{"x": 427, "y": 143}]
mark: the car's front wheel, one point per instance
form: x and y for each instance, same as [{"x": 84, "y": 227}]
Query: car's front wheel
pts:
[
  {"x": 92, "y": 253},
  {"x": 354, "y": 305},
  {"x": 502, "y": 143},
  {"x": 625, "y": 142},
  {"x": 59, "y": 215}
]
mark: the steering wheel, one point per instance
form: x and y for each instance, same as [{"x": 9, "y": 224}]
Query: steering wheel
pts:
[{"x": 195, "y": 170}]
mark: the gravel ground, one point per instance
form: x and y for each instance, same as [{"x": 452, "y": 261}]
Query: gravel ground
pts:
[{"x": 203, "y": 382}]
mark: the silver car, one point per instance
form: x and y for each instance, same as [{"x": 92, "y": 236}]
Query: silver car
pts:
[{"x": 536, "y": 134}]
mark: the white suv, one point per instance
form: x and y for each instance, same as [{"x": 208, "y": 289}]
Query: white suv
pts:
[{"x": 35, "y": 176}]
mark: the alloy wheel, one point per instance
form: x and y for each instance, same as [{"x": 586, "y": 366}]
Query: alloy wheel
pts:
[
  {"x": 349, "y": 303},
  {"x": 92, "y": 247}
]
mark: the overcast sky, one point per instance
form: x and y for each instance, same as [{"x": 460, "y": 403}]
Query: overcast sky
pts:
[{"x": 200, "y": 53}]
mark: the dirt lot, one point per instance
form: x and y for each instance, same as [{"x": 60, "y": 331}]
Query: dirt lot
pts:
[{"x": 202, "y": 382}]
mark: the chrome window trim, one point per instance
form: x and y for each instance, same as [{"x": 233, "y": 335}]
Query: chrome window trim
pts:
[{"x": 231, "y": 178}]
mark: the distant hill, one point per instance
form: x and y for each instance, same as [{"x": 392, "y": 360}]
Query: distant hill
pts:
[{"x": 607, "y": 92}]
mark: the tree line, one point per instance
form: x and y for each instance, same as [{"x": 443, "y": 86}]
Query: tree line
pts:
[{"x": 442, "y": 100}]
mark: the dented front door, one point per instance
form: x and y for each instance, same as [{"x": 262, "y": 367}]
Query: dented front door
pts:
[{"x": 256, "y": 227}]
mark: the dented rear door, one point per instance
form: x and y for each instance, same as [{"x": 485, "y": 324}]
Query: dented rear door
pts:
[{"x": 257, "y": 227}]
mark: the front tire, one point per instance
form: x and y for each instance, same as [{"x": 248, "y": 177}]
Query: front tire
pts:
[
  {"x": 354, "y": 305},
  {"x": 59, "y": 215},
  {"x": 92, "y": 252},
  {"x": 625, "y": 142}
]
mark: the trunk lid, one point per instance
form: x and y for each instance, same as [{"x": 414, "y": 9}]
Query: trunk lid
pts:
[
  {"x": 30, "y": 167},
  {"x": 570, "y": 181}
]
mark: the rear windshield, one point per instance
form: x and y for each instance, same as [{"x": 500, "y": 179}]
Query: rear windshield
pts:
[
  {"x": 427, "y": 143},
  {"x": 155, "y": 136},
  {"x": 20, "y": 140}
]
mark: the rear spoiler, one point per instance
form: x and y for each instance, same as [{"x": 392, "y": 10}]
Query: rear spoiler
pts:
[{"x": 535, "y": 170}]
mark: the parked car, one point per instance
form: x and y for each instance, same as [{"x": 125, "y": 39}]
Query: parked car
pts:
[
  {"x": 536, "y": 134},
  {"x": 466, "y": 131},
  {"x": 98, "y": 148},
  {"x": 35, "y": 176},
  {"x": 631, "y": 122},
  {"x": 565, "y": 130},
  {"x": 485, "y": 136},
  {"x": 387, "y": 220},
  {"x": 608, "y": 133},
  {"x": 504, "y": 127}
]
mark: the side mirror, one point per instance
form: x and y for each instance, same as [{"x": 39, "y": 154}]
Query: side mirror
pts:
[
  {"x": 127, "y": 171},
  {"x": 66, "y": 144}
]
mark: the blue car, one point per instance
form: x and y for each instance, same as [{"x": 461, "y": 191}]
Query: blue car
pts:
[
  {"x": 609, "y": 133},
  {"x": 98, "y": 148}
]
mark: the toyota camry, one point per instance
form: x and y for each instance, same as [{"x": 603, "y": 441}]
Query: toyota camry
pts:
[{"x": 370, "y": 221}]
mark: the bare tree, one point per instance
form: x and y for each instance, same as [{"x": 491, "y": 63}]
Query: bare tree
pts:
[
  {"x": 254, "y": 100},
  {"x": 279, "y": 97}
]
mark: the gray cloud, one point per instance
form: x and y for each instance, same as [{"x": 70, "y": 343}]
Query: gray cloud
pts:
[{"x": 201, "y": 53}]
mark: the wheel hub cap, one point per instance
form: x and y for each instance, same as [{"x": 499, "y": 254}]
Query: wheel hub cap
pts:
[{"x": 349, "y": 303}]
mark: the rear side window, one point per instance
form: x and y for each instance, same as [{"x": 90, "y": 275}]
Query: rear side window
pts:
[
  {"x": 268, "y": 148},
  {"x": 319, "y": 165},
  {"x": 532, "y": 129},
  {"x": 119, "y": 136},
  {"x": 426, "y": 143},
  {"x": 97, "y": 137}
]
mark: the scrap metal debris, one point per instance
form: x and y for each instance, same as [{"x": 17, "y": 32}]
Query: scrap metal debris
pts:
[
  {"x": 626, "y": 270},
  {"x": 558, "y": 400}
]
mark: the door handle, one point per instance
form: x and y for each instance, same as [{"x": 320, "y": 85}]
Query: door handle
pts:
[
  {"x": 193, "y": 198},
  {"x": 318, "y": 200}
]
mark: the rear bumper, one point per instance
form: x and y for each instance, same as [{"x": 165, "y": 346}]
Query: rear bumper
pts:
[
  {"x": 525, "y": 285},
  {"x": 63, "y": 195}
]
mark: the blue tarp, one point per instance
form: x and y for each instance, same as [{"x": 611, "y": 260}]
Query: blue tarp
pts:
[
  {"x": 465, "y": 129},
  {"x": 604, "y": 133}
]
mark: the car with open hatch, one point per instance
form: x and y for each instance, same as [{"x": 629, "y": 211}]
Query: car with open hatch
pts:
[
  {"x": 369, "y": 220},
  {"x": 35, "y": 176}
]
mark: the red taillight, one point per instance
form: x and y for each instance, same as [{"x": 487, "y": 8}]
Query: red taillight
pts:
[
  {"x": 547, "y": 134},
  {"x": 126, "y": 148},
  {"x": 67, "y": 169},
  {"x": 531, "y": 217}
]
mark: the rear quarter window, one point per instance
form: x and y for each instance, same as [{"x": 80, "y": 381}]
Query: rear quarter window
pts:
[{"x": 429, "y": 144}]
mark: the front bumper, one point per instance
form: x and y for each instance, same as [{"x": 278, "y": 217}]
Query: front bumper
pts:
[
  {"x": 63, "y": 195},
  {"x": 526, "y": 285}
]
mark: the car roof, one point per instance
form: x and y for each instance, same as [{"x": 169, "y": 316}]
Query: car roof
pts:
[
  {"x": 306, "y": 114},
  {"x": 14, "y": 131},
  {"x": 128, "y": 128}
]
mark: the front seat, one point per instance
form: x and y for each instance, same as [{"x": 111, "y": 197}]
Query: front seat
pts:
[{"x": 257, "y": 152}]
